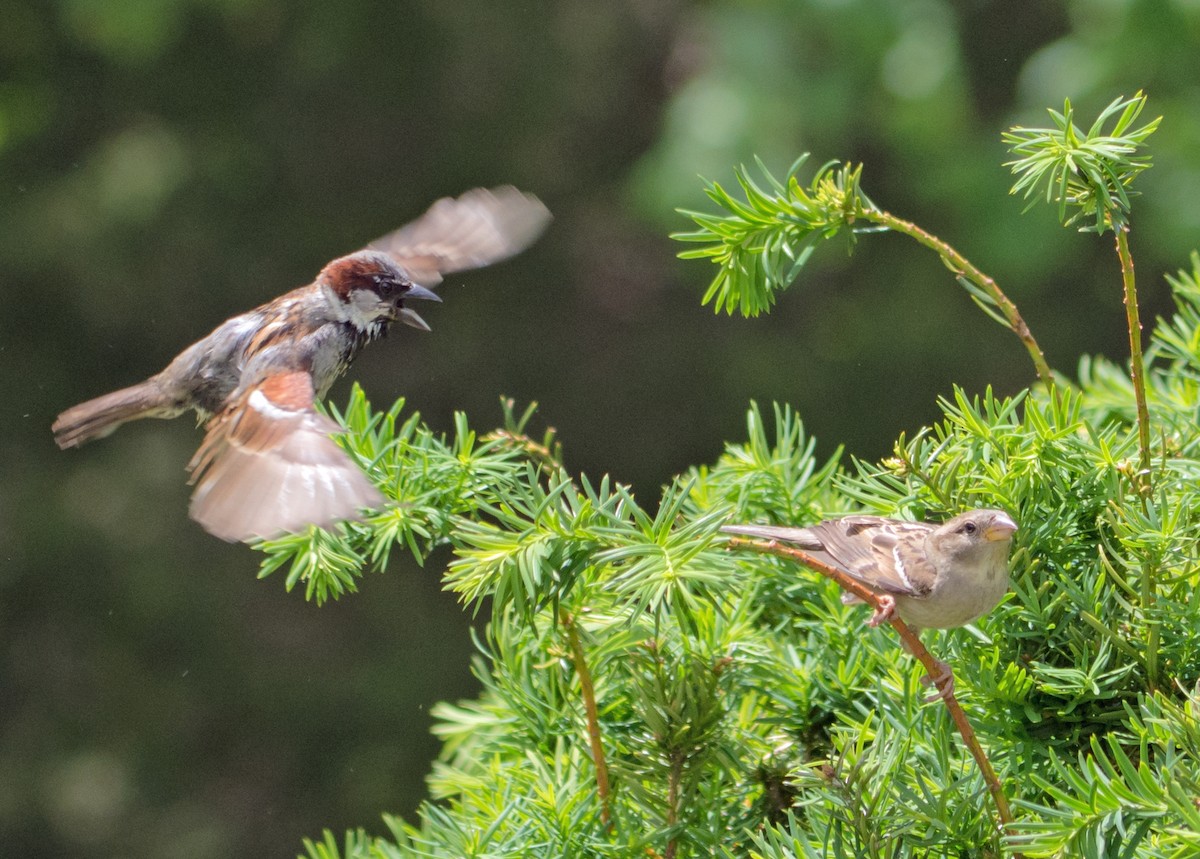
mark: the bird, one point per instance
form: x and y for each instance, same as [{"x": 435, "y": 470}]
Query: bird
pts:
[
  {"x": 931, "y": 576},
  {"x": 267, "y": 464}
]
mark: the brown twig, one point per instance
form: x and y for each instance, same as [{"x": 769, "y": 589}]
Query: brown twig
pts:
[
  {"x": 944, "y": 681},
  {"x": 592, "y": 715}
]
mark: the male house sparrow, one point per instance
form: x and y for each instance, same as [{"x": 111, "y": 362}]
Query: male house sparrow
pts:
[
  {"x": 933, "y": 576},
  {"x": 267, "y": 464}
]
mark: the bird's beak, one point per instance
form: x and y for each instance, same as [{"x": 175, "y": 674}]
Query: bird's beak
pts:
[
  {"x": 1002, "y": 528},
  {"x": 410, "y": 317},
  {"x": 415, "y": 291}
]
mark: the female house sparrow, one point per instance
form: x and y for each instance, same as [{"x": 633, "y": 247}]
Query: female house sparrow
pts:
[
  {"x": 933, "y": 576},
  {"x": 267, "y": 464}
]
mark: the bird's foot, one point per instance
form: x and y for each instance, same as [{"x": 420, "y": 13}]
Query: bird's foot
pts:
[
  {"x": 944, "y": 681},
  {"x": 885, "y": 611}
]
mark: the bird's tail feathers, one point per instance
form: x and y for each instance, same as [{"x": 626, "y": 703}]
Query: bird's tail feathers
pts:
[
  {"x": 802, "y": 537},
  {"x": 99, "y": 417}
]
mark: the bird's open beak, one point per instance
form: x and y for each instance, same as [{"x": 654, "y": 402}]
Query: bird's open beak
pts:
[
  {"x": 410, "y": 317},
  {"x": 1002, "y": 528}
]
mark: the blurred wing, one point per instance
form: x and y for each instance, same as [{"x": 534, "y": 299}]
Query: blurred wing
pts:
[
  {"x": 268, "y": 466},
  {"x": 479, "y": 228}
]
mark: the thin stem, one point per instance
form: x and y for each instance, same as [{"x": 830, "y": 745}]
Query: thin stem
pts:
[
  {"x": 913, "y": 468},
  {"x": 589, "y": 706},
  {"x": 1137, "y": 372},
  {"x": 674, "y": 777},
  {"x": 963, "y": 267},
  {"x": 1136, "y": 364},
  {"x": 913, "y": 644}
]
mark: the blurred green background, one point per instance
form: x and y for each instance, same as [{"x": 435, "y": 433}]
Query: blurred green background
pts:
[{"x": 165, "y": 164}]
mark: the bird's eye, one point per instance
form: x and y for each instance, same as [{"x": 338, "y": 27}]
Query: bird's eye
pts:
[{"x": 970, "y": 528}]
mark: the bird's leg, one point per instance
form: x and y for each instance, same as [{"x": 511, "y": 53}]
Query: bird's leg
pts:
[
  {"x": 944, "y": 676},
  {"x": 884, "y": 612}
]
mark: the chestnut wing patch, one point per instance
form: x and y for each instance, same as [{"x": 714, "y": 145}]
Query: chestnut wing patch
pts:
[{"x": 268, "y": 466}]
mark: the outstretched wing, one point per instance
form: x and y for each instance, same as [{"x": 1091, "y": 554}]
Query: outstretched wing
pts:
[
  {"x": 478, "y": 228},
  {"x": 268, "y": 466}
]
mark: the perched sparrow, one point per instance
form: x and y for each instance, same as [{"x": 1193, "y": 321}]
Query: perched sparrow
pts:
[
  {"x": 932, "y": 576},
  {"x": 267, "y": 464}
]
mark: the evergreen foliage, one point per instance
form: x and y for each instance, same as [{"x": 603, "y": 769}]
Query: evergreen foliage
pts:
[{"x": 647, "y": 692}]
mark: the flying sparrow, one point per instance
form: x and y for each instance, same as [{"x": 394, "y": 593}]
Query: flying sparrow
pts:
[
  {"x": 932, "y": 576},
  {"x": 267, "y": 464}
]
